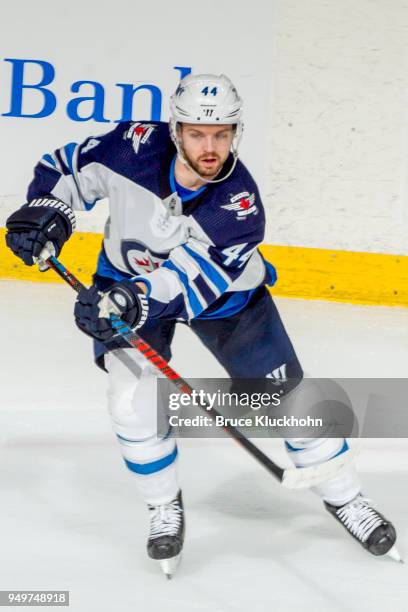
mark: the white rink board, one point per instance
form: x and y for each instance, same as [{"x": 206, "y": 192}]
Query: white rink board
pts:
[
  {"x": 128, "y": 42},
  {"x": 325, "y": 85}
]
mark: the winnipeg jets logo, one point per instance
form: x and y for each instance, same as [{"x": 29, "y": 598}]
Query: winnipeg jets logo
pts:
[
  {"x": 139, "y": 258},
  {"x": 139, "y": 133},
  {"x": 278, "y": 375},
  {"x": 143, "y": 261},
  {"x": 243, "y": 204}
]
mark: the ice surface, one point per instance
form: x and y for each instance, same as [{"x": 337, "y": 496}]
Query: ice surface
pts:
[{"x": 71, "y": 518}]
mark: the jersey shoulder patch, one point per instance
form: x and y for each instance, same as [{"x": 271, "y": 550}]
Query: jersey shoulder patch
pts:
[
  {"x": 239, "y": 195},
  {"x": 139, "y": 134},
  {"x": 145, "y": 136},
  {"x": 242, "y": 204},
  {"x": 232, "y": 210}
]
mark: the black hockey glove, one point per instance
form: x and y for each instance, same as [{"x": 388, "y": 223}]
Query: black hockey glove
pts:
[
  {"x": 33, "y": 225},
  {"x": 92, "y": 309}
]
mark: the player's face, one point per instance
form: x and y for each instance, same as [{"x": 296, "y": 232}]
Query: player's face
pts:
[{"x": 206, "y": 147}]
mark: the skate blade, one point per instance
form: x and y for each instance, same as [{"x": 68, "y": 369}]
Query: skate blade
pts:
[
  {"x": 169, "y": 566},
  {"x": 394, "y": 554}
]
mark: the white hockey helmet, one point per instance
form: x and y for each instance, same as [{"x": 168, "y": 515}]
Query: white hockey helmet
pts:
[{"x": 206, "y": 99}]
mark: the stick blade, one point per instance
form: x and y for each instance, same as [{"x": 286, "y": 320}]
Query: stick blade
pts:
[{"x": 304, "y": 478}]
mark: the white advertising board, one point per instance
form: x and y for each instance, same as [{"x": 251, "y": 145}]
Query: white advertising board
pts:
[{"x": 68, "y": 72}]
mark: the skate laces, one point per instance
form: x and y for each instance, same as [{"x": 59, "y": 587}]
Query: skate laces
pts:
[
  {"x": 165, "y": 519},
  {"x": 359, "y": 518}
]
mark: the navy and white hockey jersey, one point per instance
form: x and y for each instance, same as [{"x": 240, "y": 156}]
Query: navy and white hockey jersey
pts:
[{"x": 195, "y": 250}]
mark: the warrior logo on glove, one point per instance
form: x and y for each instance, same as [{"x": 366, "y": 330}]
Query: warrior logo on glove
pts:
[{"x": 33, "y": 225}]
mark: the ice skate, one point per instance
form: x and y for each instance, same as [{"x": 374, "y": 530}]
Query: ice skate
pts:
[
  {"x": 166, "y": 534},
  {"x": 367, "y": 526}
]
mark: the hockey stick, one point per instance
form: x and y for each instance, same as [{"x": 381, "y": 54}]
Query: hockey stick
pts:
[{"x": 292, "y": 478}]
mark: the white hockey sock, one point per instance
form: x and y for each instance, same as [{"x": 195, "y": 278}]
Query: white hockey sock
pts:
[{"x": 133, "y": 408}]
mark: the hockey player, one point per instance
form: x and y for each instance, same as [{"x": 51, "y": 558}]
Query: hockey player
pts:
[{"x": 180, "y": 244}]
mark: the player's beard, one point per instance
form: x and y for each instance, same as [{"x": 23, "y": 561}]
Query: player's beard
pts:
[{"x": 200, "y": 168}]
